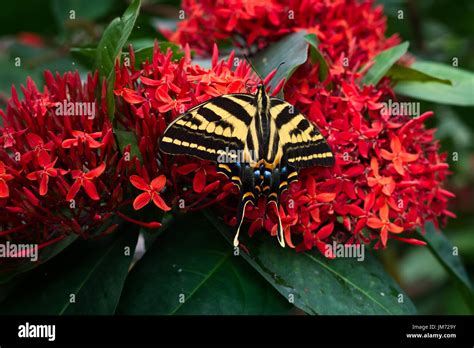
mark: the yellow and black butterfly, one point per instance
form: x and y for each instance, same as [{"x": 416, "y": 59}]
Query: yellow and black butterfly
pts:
[{"x": 259, "y": 142}]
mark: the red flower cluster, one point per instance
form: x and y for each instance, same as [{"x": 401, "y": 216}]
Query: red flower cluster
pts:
[
  {"x": 388, "y": 174},
  {"x": 345, "y": 28},
  {"x": 60, "y": 171},
  {"x": 148, "y": 99}
]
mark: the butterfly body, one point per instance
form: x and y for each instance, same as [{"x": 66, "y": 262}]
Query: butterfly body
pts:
[{"x": 264, "y": 141}]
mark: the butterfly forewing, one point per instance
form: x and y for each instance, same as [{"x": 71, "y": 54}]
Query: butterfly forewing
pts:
[
  {"x": 211, "y": 128},
  {"x": 300, "y": 140}
]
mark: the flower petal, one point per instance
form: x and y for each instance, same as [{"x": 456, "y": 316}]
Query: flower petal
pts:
[
  {"x": 73, "y": 190},
  {"x": 141, "y": 200},
  {"x": 4, "y": 191},
  {"x": 158, "y": 183},
  {"x": 91, "y": 190},
  {"x": 139, "y": 183},
  {"x": 199, "y": 181},
  {"x": 160, "y": 203}
]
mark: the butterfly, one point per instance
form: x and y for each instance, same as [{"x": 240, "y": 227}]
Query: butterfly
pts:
[{"x": 258, "y": 142}]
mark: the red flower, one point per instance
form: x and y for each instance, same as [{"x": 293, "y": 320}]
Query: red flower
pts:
[
  {"x": 337, "y": 25},
  {"x": 398, "y": 155},
  {"x": 85, "y": 180},
  {"x": 383, "y": 223},
  {"x": 4, "y": 178},
  {"x": 83, "y": 137},
  {"x": 386, "y": 183},
  {"x": 43, "y": 175},
  {"x": 152, "y": 192}
]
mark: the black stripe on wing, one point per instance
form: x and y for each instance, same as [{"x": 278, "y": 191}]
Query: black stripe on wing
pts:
[
  {"x": 207, "y": 130},
  {"x": 302, "y": 142}
]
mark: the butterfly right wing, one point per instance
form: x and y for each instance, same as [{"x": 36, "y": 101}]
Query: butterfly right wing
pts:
[{"x": 207, "y": 130}]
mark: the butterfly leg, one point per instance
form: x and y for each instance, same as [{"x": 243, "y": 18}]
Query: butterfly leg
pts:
[
  {"x": 242, "y": 176},
  {"x": 273, "y": 198},
  {"x": 280, "y": 180}
]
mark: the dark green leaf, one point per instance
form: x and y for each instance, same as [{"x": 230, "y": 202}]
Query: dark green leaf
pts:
[
  {"x": 460, "y": 93},
  {"x": 383, "y": 62},
  {"x": 146, "y": 53},
  {"x": 317, "y": 56},
  {"x": 92, "y": 271},
  {"x": 323, "y": 286},
  {"x": 114, "y": 39},
  {"x": 292, "y": 50},
  {"x": 448, "y": 256},
  {"x": 86, "y": 56},
  {"x": 128, "y": 138},
  {"x": 110, "y": 47},
  {"x": 398, "y": 73},
  {"x": 44, "y": 255},
  {"x": 190, "y": 269}
]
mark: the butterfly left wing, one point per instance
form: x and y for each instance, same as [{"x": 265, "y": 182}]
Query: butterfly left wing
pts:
[
  {"x": 302, "y": 143},
  {"x": 207, "y": 130}
]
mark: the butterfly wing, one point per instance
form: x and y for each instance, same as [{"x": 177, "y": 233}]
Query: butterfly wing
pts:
[
  {"x": 302, "y": 143},
  {"x": 207, "y": 130}
]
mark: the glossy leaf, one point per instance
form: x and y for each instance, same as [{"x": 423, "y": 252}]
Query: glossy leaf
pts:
[
  {"x": 44, "y": 255},
  {"x": 190, "y": 269},
  {"x": 383, "y": 62},
  {"x": 114, "y": 39},
  {"x": 320, "y": 285},
  {"x": 125, "y": 138},
  {"x": 317, "y": 56},
  {"x": 398, "y": 73},
  {"x": 146, "y": 53},
  {"x": 448, "y": 256},
  {"x": 93, "y": 272},
  {"x": 292, "y": 50},
  {"x": 110, "y": 47},
  {"x": 461, "y": 92}
]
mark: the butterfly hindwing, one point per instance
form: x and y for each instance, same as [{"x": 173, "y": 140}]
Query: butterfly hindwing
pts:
[
  {"x": 206, "y": 131},
  {"x": 301, "y": 141}
]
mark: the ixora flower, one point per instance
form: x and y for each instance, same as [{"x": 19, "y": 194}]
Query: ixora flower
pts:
[
  {"x": 343, "y": 36},
  {"x": 387, "y": 168},
  {"x": 59, "y": 175}
]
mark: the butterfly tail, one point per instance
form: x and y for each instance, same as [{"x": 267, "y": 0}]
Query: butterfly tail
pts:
[{"x": 247, "y": 198}]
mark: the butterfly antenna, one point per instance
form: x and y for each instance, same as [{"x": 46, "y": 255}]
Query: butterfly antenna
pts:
[{"x": 253, "y": 68}]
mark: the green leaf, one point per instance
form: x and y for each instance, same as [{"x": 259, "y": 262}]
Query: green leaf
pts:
[
  {"x": 399, "y": 73},
  {"x": 110, "y": 48},
  {"x": 125, "y": 138},
  {"x": 444, "y": 251},
  {"x": 44, "y": 255},
  {"x": 292, "y": 50},
  {"x": 86, "y": 56},
  {"x": 383, "y": 62},
  {"x": 461, "y": 92},
  {"x": 317, "y": 56},
  {"x": 323, "y": 286},
  {"x": 92, "y": 271},
  {"x": 146, "y": 53},
  {"x": 194, "y": 271},
  {"x": 114, "y": 38}
]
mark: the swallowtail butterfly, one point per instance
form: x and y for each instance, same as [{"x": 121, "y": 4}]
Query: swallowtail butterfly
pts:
[{"x": 266, "y": 138}]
